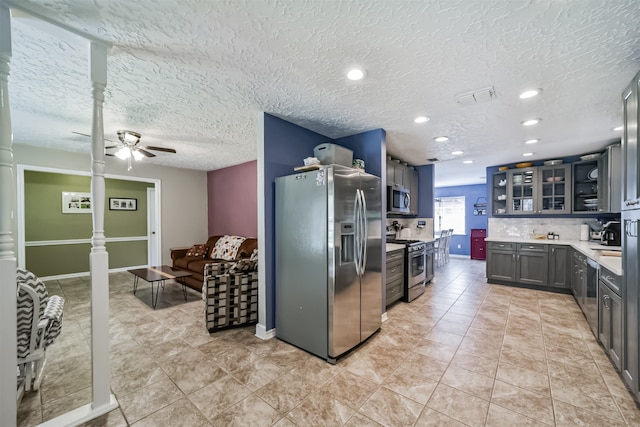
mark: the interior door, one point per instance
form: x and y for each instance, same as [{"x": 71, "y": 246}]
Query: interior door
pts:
[{"x": 153, "y": 234}]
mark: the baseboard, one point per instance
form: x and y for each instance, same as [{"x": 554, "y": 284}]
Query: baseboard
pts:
[
  {"x": 263, "y": 334},
  {"x": 88, "y": 273},
  {"x": 385, "y": 317},
  {"x": 81, "y": 415}
]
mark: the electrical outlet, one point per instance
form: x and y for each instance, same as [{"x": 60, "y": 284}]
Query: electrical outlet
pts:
[{"x": 459, "y": 246}]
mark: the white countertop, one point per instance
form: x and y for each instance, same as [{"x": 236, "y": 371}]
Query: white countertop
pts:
[
  {"x": 589, "y": 249},
  {"x": 394, "y": 247}
]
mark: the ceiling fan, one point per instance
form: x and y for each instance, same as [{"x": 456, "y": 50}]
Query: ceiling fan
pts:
[{"x": 128, "y": 147}]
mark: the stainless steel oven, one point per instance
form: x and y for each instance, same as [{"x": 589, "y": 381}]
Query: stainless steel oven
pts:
[{"x": 415, "y": 270}]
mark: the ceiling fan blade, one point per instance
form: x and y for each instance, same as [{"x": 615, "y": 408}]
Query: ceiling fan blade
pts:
[
  {"x": 109, "y": 154},
  {"x": 145, "y": 152},
  {"x": 166, "y": 150},
  {"x": 112, "y": 146}
]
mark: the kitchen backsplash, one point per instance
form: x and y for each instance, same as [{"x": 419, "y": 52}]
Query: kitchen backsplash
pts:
[
  {"x": 523, "y": 228},
  {"x": 410, "y": 228}
]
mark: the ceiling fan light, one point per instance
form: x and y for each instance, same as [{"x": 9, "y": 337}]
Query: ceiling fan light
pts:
[
  {"x": 137, "y": 155},
  {"x": 124, "y": 153}
]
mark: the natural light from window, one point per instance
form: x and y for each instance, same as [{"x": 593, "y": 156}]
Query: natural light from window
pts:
[{"x": 449, "y": 213}]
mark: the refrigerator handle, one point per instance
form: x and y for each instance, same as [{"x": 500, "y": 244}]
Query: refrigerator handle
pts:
[
  {"x": 365, "y": 234},
  {"x": 356, "y": 245}
]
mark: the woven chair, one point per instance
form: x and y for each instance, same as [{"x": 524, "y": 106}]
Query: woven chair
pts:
[
  {"x": 39, "y": 322},
  {"x": 442, "y": 248},
  {"x": 230, "y": 294}
]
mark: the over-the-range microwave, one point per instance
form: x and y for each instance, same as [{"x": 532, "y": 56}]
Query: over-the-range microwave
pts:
[{"x": 398, "y": 199}]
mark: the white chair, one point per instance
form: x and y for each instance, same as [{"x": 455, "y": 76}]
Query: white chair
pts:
[
  {"x": 440, "y": 247},
  {"x": 448, "y": 244},
  {"x": 39, "y": 321}
]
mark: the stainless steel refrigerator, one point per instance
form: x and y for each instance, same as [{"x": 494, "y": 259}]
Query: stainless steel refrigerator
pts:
[{"x": 328, "y": 259}]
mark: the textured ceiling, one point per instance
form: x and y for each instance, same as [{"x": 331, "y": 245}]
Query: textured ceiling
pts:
[{"x": 193, "y": 75}]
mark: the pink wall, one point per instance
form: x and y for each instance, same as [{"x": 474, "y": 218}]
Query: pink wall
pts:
[{"x": 233, "y": 200}]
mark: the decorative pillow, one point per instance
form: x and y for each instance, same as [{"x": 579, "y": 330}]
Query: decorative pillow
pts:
[
  {"x": 226, "y": 247},
  {"x": 246, "y": 265},
  {"x": 242, "y": 266},
  {"x": 199, "y": 251}
]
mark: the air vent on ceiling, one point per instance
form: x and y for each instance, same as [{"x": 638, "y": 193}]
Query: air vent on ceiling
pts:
[
  {"x": 433, "y": 159},
  {"x": 476, "y": 96}
]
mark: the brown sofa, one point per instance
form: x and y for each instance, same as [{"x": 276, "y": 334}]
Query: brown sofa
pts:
[{"x": 195, "y": 265}]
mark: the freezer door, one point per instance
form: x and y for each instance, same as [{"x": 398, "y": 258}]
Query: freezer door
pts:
[
  {"x": 344, "y": 283},
  {"x": 301, "y": 277},
  {"x": 371, "y": 281}
]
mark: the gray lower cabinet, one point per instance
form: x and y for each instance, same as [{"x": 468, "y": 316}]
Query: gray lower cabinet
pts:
[
  {"x": 524, "y": 263},
  {"x": 532, "y": 264},
  {"x": 395, "y": 276},
  {"x": 559, "y": 271},
  {"x": 501, "y": 261},
  {"x": 610, "y": 323},
  {"x": 535, "y": 264}
]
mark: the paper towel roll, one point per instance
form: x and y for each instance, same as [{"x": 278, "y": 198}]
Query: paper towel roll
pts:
[{"x": 584, "y": 232}]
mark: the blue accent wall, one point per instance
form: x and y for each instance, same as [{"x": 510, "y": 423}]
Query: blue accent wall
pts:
[
  {"x": 425, "y": 189},
  {"x": 285, "y": 147},
  {"x": 371, "y": 147},
  {"x": 471, "y": 193}
]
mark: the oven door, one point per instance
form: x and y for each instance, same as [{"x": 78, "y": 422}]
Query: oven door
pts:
[{"x": 417, "y": 267}]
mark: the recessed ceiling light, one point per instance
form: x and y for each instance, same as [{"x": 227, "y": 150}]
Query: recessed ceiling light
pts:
[
  {"x": 618, "y": 128},
  {"x": 457, "y": 153},
  {"x": 468, "y": 161},
  {"x": 530, "y": 93},
  {"x": 527, "y": 154},
  {"x": 531, "y": 122},
  {"x": 422, "y": 119},
  {"x": 355, "y": 74},
  {"x": 531, "y": 141},
  {"x": 441, "y": 138}
]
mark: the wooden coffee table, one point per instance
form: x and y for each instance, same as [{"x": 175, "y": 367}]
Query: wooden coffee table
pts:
[{"x": 157, "y": 276}]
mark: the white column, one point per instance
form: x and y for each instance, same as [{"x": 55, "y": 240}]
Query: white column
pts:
[
  {"x": 99, "y": 258},
  {"x": 8, "y": 347}
]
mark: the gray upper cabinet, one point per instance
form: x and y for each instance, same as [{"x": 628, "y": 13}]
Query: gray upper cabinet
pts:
[
  {"x": 554, "y": 189},
  {"x": 522, "y": 189},
  {"x": 610, "y": 179},
  {"x": 630, "y": 153},
  {"x": 499, "y": 196},
  {"x": 391, "y": 171},
  {"x": 539, "y": 190},
  {"x": 412, "y": 181}
]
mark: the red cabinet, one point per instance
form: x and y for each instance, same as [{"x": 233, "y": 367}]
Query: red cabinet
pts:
[{"x": 478, "y": 245}]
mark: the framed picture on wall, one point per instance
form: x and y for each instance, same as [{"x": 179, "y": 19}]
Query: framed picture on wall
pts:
[
  {"x": 123, "y": 204},
  {"x": 76, "y": 202}
]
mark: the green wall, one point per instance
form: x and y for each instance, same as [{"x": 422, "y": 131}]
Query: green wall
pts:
[{"x": 44, "y": 220}]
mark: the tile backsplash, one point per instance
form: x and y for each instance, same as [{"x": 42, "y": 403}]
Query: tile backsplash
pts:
[
  {"x": 410, "y": 228},
  {"x": 523, "y": 228}
]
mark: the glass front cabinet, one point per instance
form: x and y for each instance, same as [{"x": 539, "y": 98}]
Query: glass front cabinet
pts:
[
  {"x": 539, "y": 190},
  {"x": 499, "y": 193},
  {"x": 554, "y": 189}
]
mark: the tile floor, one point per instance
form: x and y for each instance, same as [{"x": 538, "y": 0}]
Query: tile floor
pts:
[{"x": 465, "y": 353}]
